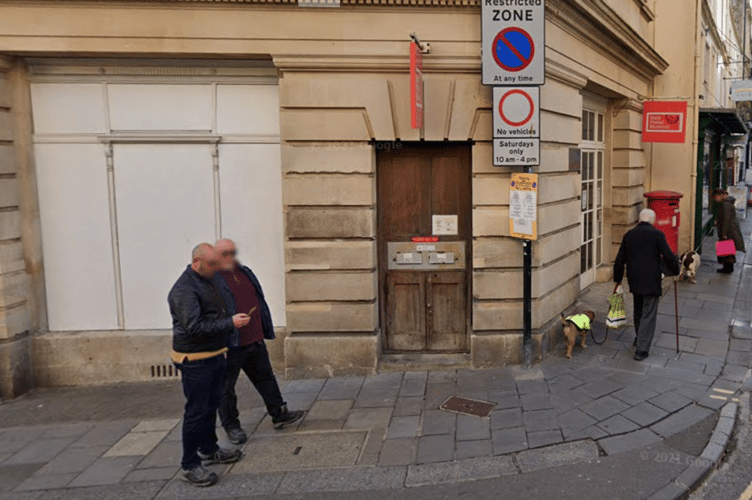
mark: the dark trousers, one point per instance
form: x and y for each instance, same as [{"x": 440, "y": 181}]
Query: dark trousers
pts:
[
  {"x": 645, "y": 315},
  {"x": 254, "y": 361},
  {"x": 202, "y": 386}
]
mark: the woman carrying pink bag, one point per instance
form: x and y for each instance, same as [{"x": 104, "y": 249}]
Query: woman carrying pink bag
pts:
[{"x": 730, "y": 239}]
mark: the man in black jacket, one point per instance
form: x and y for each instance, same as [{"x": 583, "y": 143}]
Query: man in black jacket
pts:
[
  {"x": 642, "y": 250},
  {"x": 242, "y": 291},
  {"x": 200, "y": 325}
]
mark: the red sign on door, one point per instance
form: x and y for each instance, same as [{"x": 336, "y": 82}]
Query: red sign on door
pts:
[
  {"x": 416, "y": 86},
  {"x": 664, "y": 121}
]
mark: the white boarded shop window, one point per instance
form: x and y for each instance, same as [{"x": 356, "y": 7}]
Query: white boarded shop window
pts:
[{"x": 160, "y": 198}]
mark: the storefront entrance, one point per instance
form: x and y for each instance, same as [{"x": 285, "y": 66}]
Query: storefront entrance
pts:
[{"x": 424, "y": 243}]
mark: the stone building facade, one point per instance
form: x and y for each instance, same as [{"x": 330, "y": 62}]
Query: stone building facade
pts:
[{"x": 338, "y": 82}]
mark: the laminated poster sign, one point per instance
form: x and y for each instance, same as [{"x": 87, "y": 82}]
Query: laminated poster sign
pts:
[
  {"x": 664, "y": 121},
  {"x": 523, "y": 198}
]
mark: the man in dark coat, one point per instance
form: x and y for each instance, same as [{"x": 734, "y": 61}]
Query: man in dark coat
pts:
[
  {"x": 200, "y": 325},
  {"x": 728, "y": 228},
  {"x": 242, "y": 292},
  {"x": 642, "y": 250}
]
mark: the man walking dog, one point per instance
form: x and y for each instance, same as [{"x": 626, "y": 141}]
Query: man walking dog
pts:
[
  {"x": 242, "y": 292},
  {"x": 642, "y": 249}
]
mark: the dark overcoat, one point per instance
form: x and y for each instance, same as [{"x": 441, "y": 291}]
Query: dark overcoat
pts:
[
  {"x": 642, "y": 250},
  {"x": 728, "y": 226}
]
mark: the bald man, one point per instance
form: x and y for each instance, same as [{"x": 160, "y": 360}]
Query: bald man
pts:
[
  {"x": 200, "y": 326},
  {"x": 242, "y": 292}
]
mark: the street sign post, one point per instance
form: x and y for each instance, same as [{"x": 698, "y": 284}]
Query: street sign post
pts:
[{"x": 513, "y": 42}]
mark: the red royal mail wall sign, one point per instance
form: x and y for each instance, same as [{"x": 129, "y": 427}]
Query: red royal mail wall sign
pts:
[
  {"x": 664, "y": 121},
  {"x": 416, "y": 86}
]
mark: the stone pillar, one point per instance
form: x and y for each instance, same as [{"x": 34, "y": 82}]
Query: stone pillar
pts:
[
  {"x": 497, "y": 258},
  {"x": 16, "y": 367},
  {"x": 627, "y": 171}
]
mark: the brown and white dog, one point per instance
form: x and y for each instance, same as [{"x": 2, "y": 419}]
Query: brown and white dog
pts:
[
  {"x": 571, "y": 331},
  {"x": 690, "y": 262}
]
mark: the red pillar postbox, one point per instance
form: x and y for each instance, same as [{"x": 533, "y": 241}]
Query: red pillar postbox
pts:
[{"x": 665, "y": 204}]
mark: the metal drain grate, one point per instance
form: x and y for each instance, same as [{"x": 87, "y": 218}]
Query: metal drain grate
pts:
[
  {"x": 164, "y": 371},
  {"x": 466, "y": 406}
]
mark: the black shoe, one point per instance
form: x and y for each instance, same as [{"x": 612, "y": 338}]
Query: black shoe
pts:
[
  {"x": 285, "y": 417},
  {"x": 199, "y": 476},
  {"x": 640, "y": 355},
  {"x": 236, "y": 435},
  {"x": 221, "y": 457}
]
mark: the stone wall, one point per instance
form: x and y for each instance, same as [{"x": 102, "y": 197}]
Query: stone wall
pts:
[{"x": 16, "y": 373}]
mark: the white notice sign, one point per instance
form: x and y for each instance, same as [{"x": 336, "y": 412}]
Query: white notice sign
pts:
[
  {"x": 513, "y": 42},
  {"x": 516, "y": 112},
  {"x": 511, "y": 152},
  {"x": 444, "y": 225},
  {"x": 523, "y": 198}
]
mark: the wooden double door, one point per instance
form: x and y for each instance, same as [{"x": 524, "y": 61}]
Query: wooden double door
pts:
[{"x": 424, "y": 207}]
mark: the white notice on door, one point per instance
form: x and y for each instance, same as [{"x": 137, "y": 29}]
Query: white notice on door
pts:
[{"x": 444, "y": 225}]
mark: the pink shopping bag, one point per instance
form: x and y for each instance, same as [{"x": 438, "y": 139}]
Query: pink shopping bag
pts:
[{"x": 724, "y": 248}]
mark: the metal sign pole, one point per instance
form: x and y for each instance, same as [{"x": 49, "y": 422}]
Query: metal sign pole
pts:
[{"x": 527, "y": 299}]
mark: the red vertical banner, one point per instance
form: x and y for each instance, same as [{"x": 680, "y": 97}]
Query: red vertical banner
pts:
[
  {"x": 416, "y": 86},
  {"x": 664, "y": 121}
]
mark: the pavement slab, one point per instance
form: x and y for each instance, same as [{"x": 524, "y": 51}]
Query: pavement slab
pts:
[
  {"x": 456, "y": 472},
  {"x": 349, "y": 479},
  {"x": 105, "y": 471},
  {"x": 555, "y": 456}
]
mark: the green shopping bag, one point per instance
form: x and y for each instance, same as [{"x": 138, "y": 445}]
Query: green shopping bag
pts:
[{"x": 617, "y": 311}]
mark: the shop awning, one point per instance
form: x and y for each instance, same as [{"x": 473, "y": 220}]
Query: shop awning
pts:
[{"x": 725, "y": 121}]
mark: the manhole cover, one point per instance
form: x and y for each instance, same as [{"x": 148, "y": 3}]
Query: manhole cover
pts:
[{"x": 473, "y": 407}]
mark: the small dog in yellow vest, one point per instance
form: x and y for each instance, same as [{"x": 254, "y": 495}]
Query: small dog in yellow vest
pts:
[{"x": 572, "y": 326}]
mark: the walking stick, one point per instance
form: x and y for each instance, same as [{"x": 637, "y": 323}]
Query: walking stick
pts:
[{"x": 676, "y": 310}]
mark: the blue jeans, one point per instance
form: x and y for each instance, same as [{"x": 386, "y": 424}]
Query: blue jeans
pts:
[
  {"x": 202, "y": 386},
  {"x": 254, "y": 361}
]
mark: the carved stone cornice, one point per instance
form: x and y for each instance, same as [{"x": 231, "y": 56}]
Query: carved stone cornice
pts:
[
  {"x": 380, "y": 64},
  {"x": 600, "y": 28},
  {"x": 565, "y": 74}
]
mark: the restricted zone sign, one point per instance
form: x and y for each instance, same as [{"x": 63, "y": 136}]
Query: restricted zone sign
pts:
[
  {"x": 513, "y": 42},
  {"x": 516, "y": 112}
]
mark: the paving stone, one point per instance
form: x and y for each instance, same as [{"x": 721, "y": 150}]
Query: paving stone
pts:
[
  {"x": 13, "y": 475},
  {"x": 593, "y": 432},
  {"x": 136, "y": 443},
  {"x": 39, "y": 452},
  {"x": 505, "y": 400},
  {"x": 441, "y": 376},
  {"x": 536, "y": 402},
  {"x": 405, "y": 407},
  {"x": 670, "y": 401},
  {"x": 543, "y": 438},
  {"x": 558, "y": 455},
  {"x": 712, "y": 348},
  {"x": 473, "y": 428},
  {"x": 564, "y": 382},
  {"x": 300, "y": 400},
  {"x": 398, "y": 452},
  {"x": 456, "y": 472},
  {"x": 634, "y": 394},
  {"x": 509, "y": 440},
  {"x": 109, "y": 492},
  {"x": 165, "y": 454},
  {"x": 383, "y": 382},
  {"x": 351, "y": 479},
  {"x": 47, "y": 482},
  {"x": 436, "y": 394},
  {"x": 229, "y": 486},
  {"x": 734, "y": 373},
  {"x": 563, "y": 402},
  {"x": 330, "y": 410},
  {"x": 413, "y": 384},
  {"x": 376, "y": 399},
  {"x": 633, "y": 440},
  {"x": 713, "y": 370},
  {"x": 618, "y": 425},
  {"x": 740, "y": 345},
  {"x": 403, "y": 427},
  {"x": 575, "y": 420},
  {"x": 368, "y": 418},
  {"x": 603, "y": 408},
  {"x": 438, "y": 422},
  {"x": 16, "y": 439},
  {"x": 66, "y": 431},
  {"x": 341, "y": 388},
  {"x": 739, "y": 358},
  {"x": 473, "y": 449},
  {"x": 153, "y": 474},
  {"x": 72, "y": 460},
  {"x": 105, "y": 471},
  {"x": 644, "y": 414},
  {"x": 600, "y": 388},
  {"x": 304, "y": 385},
  {"x": 156, "y": 425},
  {"x": 505, "y": 419},
  {"x": 369, "y": 454},
  {"x": 21, "y": 495},
  {"x": 540, "y": 420},
  {"x": 532, "y": 387},
  {"x": 681, "y": 420},
  {"x": 439, "y": 448},
  {"x": 105, "y": 434},
  {"x": 660, "y": 384}
]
